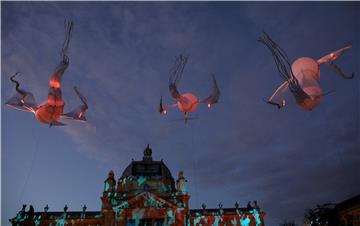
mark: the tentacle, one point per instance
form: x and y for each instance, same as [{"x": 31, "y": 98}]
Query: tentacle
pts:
[
  {"x": 82, "y": 97},
  {"x": 279, "y": 105},
  {"x": 280, "y": 90},
  {"x": 178, "y": 69},
  {"x": 281, "y": 59},
  {"x": 79, "y": 112},
  {"x": 56, "y": 123},
  {"x": 17, "y": 85},
  {"x": 176, "y": 75},
  {"x": 327, "y": 93},
  {"x": 331, "y": 57},
  {"x": 56, "y": 77},
  {"x": 68, "y": 25},
  {"x": 22, "y": 100},
  {"x": 214, "y": 96},
  {"x": 163, "y": 109},
  {"x": 338, "y": 71},
  {"x": 283, "y": 65}
]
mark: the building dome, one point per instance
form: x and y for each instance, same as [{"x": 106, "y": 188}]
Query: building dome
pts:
[{"x": 150, "y": 171}]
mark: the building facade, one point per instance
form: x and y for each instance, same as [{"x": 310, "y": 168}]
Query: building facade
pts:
[
  {"x": 345, "y": 213},
  {"x": 349, "y": 211},
  {"x": 145, "y": 194}
]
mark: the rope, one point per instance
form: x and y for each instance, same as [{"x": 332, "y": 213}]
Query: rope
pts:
[
  {"x": 22, "y": 191},
  {"x": 195, "y": 162}
]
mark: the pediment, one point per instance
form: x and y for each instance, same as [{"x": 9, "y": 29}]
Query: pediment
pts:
[{"x": 146, "y": 200}]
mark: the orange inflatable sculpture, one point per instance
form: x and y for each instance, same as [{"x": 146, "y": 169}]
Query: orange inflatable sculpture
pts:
[
  {"x": 302, "y": 77},
  {"x": 52, "y": 109},
  {"x": 186, "y": 102}
]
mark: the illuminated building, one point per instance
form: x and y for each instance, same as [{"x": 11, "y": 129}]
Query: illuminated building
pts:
[
  {"x": 145, "y": 194},
  {"x": 345, "y": 213},
  {"x": 349, "y": 211}
]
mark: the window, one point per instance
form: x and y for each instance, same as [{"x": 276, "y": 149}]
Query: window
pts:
[
  {"x": 145, "y": 222},
  {"x": 159, "y": 222},
  {"x": 130, "y": 223}
]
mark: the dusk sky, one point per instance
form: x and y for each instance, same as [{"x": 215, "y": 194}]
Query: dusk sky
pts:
[{"x": 241, "y": 149}]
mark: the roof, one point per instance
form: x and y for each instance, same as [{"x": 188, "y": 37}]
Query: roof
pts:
[
  {"x": 147, "y": 167},
  {"x": 349, "y": 203},
  {"x": 226, "y": 211},
  {"x": 59, "y": 214}
]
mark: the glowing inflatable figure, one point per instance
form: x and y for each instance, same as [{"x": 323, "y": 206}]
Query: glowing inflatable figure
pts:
[
  {"x": 52, "y": 109},
  {"x": 186, "y": 102},
  {"x": 302, "y": 77}
]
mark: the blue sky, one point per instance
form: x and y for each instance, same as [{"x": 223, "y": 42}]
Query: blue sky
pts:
[{"x": 120, "y": 57}]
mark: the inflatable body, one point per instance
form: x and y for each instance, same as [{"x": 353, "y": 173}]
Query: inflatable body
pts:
[
  {"x": 187, "y": 102},
  {"x": 52, "y": 109},
  {"x": 302, "y": 78}
]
